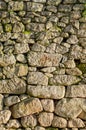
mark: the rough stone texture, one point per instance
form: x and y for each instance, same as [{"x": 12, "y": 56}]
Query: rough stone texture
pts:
[
  {"x": 13, "y": 124},
  {"x": 15, "y": 6},
  {"x": 26, "y": 107},
  {"x": 53, "y": 92},
  {"x": 43, "y": 59}
]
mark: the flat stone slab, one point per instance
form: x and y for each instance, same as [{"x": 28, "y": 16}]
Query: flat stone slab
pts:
[{"x": 26, "y": 107}]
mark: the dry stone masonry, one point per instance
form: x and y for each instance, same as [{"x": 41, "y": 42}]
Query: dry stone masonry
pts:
[{"x": 42, "y": 64}]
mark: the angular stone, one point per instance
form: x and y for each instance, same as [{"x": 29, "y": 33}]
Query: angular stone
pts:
[
  {"x": 69, "y": 1},
  {"x": 48, "y": 105},
  {"x": 61, "y": 49},
  {"x": 82, "y": 33},
  {"x": 64, "y": 80},
  {"x": 73, "y": 39},
  {"x": 68, "y": 108},
  {"x": 11, "y": 100},
  {"x": 26, "y": 107},
  {"x": 15, "y": 5},
  {"x": 74, "y": 71},
  {"x": 29, "y": 121},
  {"x": 82, "y": 115},
  {"x": 53, "y": 92},
  {"x": 21, "y": 48},
  {"x": 21, "y": 58},
  {"x": 36, "y": 7},
  {"x": 4, "y": 116},
  {"x": 70, "y": 64},
  {"x": 4, "y": 37},
  {"x": 38, "y": 48},
  {"x": 64, "y": 8},
  {"x": 43, "y": 59},
  {"x": 39, "y": 128},
  {"x": 39, "y": 1},
  {"x": 59, "y": 122},
  {"x": 54, "y": 2},
  {"x": 13, "y": 123},
  {"x": 3, "y": 5},
  {"x": 76, "y": 91},
  {"x": 45, "y": 119},
  {"x": 13, "y": 86},
  {"x": 18, "y": 27},
  {"x": 37, "y": 78},
  {"x": 7, "y": 59},
  {"x": 77, "y": 122}
]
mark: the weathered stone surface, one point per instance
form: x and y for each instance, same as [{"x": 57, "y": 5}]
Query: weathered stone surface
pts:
[
  {"x": 64, "y": 8},
  {"x": 32, "y": 6},
  {"x": 82, "y": 33},
  {"x": 1, "y": 101},
  {"x": 29, "y": 121},
  {"x": 45, "y": 119},
  {"x": 48, "y": 105},
  {"x": 13, "y": 123},
  {"x": 18, "y": 27},
  {"x": 15, "y": 5},
  {"x": 70, "y": 64},
  {"x": 39, "y": 128},
  {"x": 54, "y": 2},
  {"x": 39, "y": 1},
  {"x": 13, "y": 86},
  {"x": 53, "y": 92},
  {"x": 74, "y": 71},
  {"x": 77, "y": 122},
  {"x": 69, "y": 1},
  {"x": 82, "y": 115},
  {"x": 73, "y": 39},
  {"x": 59, "y": 122},
  {"x": 64, "y": 80},
  {"x": 48, "y": 69},
  {"x": 11, "y": 100},
  {"x": 3, "y": 5},
  {"x": 37, "y": 78},
  {"x": 76, "y": 91},
  {"x": 7, "y": 59},
  {"x": 68, "y": 108},
  {"x": 4, "y": 116},
  {"x": 26, "y": 107},
  {"x": 43, "y": 59}
]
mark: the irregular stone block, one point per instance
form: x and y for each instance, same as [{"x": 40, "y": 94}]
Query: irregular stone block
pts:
[
  {"x": 43, "y": 59},
  {"x": 68, "y": 108},
  {"x": 65, "y": 8},
  {"x": 64, "y": 80},
  {"x": 54, "y": 2},
  {"x": 69, "y": 1},
  {"x": 13, "y": 123},
  {"x": 74, "y": 71},
  {"x": 39, "y": 1},
  {"x": 59, "y": 122},
  {"x": 53, "y": 92},
  {"x": 45, "y": 119},
  {"x": 76, "y": 91},
  {"x": 82, "y": 33},
  {"x": 1, "y": 101},
  {"x": 26, "y": 107},
  {"x": 12, "y": 86},
  {"x": 37, "y": 78},
  {"x": 3, "y": 5}
]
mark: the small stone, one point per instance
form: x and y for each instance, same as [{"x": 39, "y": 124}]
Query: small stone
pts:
[
  {"x": 82, "y": 1},
  {"x": 7, "y": 59},
  {"x": 77, "y": 122},
  {"x": 76, "y": 91},
  {"x": 64, "y": 80},
  {"x": 36, "y": 7},
  {"x": 51, "y": 48},
  {"x": 54, "y": 2},
  {"x": 64, "y": 8},
  {"x": 73, "y": 39},
  {"x": 48, "y": 69},
  {"x": 59, "y": 122},
  {"x": 64, "y": 109},
  {"x": 26, "y": 107},
  {"x": 40, "y": 1},
  {"x": 15, "y": 6},
  {"x": 21, "y": 70},
  {"x": 8, "y": 27},
  {"x": 37, "y": 78},
  {"x": 70, "y": 64},
  {"x": 39, "y": 128},
  {"x": 48, "y": 105},
  {"x": 21, "y": 48},
  {"x": 11, "y": 100},
  {"x": 38, "y": 48},
  {"x": 12, "y": 86},
  {"x": 43, "y": 59},
  {"x": 53, "y": 92},
  {"x": 4, "y": 116},
  {"x": 18, "y": 27},
  {"x": 29, "y": 121},
  {"x": 69, "y": 1},
  {"x": 1, "y": 101},
  {"x": 74, "y": 71},
  {"x": 61, "y": 49},
  {"x": 45, "y": 119},
  {"x": 82, "y": 33},
  {"x": 3, "y": 5},
  {"x": 21, "y": 58},
  {"x": 13, "y": 123},
  {"x": 58, "y": 40}
]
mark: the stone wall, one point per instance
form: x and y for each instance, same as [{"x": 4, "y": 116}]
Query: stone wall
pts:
[{"x": 42, "y": 64}]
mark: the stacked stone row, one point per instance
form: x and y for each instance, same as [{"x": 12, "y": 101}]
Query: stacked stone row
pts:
[{"x": 42, "y": 64}]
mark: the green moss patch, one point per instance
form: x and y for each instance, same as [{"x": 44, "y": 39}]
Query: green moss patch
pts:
[{"x": 82, "y": 67}]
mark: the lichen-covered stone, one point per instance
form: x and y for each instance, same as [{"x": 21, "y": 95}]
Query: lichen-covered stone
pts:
[
  {"x": 43, "y": 59},
  {"x": 13, "y": 86},
  {"x": 26, "y": 107},
  {"x": 18, "y": 27},
  {"x": 45, "y": 119},
  {"x": 64, "y": 80},
  {"x": 37, "y": 78},
  {"x": 53, "y": 92}
]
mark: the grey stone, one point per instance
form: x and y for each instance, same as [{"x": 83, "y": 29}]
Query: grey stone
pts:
[
  {"x": 48, "y": 69},
  {"x": 37, "y": 78},
  {"x": 1, "y": 101},
  {"x": 29, "y": 121},
  {"x": 18, "y": 27},
  {"x": 43, "y": 59},
  {"x": 82, "y": 33},
  {"x": 26, "y": 107},
  {"x": 38, "y": 48},
  {"x": 40, "y": 1},
  {"x": 7, "y": 59},
  {"x": 53, "y": 92},
  {"x": 69, "y": 1},
  {"x": 68, "y": 108},
  {"x": 54, "y": 2},
  {"x": 76, "y": 91},
  {"x": 73, "y": 39},
  {"x": 59, "y": 122},
  {"x": 21, "y": 58},
  {"x": 64, "y": 80},
  {"x": 12, "y": 86},
  {"x": 3, "y": 5},
  {"x": 51, "y": 48},
  {"x": 61, "y": 49},
  {"x": 45, "y": 119},
  {"x": 32, "y": 6},
  {"x": 11, "y": 100},
  {"x": 52, "y": 8},
  {"x": 64, "y": 8}
]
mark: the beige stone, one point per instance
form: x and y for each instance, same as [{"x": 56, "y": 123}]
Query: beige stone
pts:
[
  {"x": 1, "y": 101},
  {"x": 70, "y": 64},
  {"x": 74, "y": 71},
  {"x": 26, "y": 107},
  {"x": 45, "y": 119},
  {"x": 39, "y": 128},
  {"x": 13, "y": 123}
]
